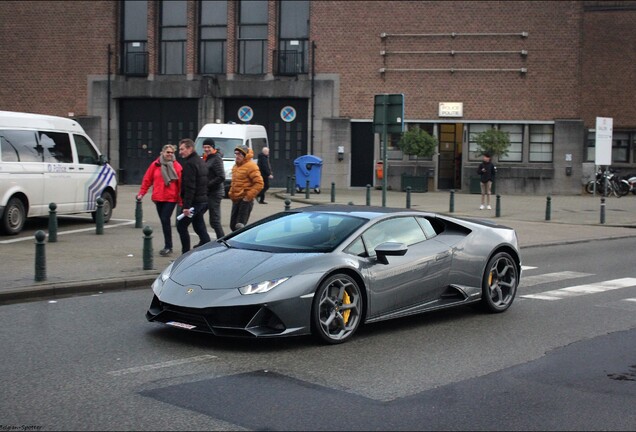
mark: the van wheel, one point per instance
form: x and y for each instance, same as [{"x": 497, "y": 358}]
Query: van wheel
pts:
[
  {"x": 14, "y": 216},
  {"x": 107, "y": 208}
]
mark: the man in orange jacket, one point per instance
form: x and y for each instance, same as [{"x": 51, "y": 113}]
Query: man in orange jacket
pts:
[{"x": 247, "y": 182}]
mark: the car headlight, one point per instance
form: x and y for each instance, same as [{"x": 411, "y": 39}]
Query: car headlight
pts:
[
  {"x": 161, "y": 279},
  {"x": 261, "y": 287}
]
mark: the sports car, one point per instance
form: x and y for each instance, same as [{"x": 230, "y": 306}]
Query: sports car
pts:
[{"x": 325, "y": 270}]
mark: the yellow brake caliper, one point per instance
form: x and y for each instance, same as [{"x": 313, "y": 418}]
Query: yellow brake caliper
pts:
[{"x": 346, "y": 300}]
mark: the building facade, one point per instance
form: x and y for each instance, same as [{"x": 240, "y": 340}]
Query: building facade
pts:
[{"x": 140, "y": 74}]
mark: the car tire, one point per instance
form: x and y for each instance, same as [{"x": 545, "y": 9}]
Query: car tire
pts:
[
  {"x": 499, "y": 283},
  {"x": 107, "y": 207},
  {"x": 337, "y": 310},
  {"x": 14, "y": 216}
]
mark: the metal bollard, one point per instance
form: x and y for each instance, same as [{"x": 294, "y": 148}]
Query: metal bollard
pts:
[
  {"x": 139, "y": 214},
  {"x": 147, "y": 253},
  {"x": 307, "y": 189},
  {"x": 548, "y": 208},
  {"x": 287, "y": 204},
  {"x": 408, "y": 197},
  {"x": 293, "y": 186},
  {"x": 288, "y": 185},
  {"x": 52, "y": 222},
  {"x": 603, "y": 210},
  {"x": 451, "y": 204},
  {"x": 99, "y": 217},
  {"x": 498, "y": 206},
  {"x": 333, "y": 192},
  {"x": 40, "y": 256},
  {"x": 368, "y": 195}
]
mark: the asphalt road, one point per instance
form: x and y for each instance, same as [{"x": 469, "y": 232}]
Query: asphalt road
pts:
[{"x": 559, "y": 359}]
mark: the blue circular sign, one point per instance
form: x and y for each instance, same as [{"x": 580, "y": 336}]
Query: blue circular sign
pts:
[
  {"x": 245, "y": 113},
  {"x": 288, "y": 114}
]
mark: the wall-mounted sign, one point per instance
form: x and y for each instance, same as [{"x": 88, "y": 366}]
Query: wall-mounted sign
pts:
[
  {"x": 451, "y": 109},
  {"x": 245, "y": 113},
  {"x": 288, "y": 114}
]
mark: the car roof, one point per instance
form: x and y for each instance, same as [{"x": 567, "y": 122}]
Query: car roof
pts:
[{"x": 367, "y": 212}]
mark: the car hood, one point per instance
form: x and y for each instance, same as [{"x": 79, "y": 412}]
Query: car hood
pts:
[{"x": 223, "y": 268}]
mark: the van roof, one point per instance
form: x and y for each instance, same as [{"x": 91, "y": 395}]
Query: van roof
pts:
[
  {"x": 231, "y": 130},
  {"x": 12, "y": 119}
]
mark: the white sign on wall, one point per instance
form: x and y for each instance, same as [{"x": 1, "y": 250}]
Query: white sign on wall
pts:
[
  {"x": 603, "y": 148},
  {"x": 451, "y": 109}
]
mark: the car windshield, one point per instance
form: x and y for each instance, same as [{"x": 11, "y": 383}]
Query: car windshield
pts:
[
  {"x": 298, "y": 232},
  {"x": 224, "y": 145}
]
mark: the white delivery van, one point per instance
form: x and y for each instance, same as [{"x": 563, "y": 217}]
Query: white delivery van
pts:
[
  {"x": 46, "y": 159},
  {"x": 227, "y": 136}
]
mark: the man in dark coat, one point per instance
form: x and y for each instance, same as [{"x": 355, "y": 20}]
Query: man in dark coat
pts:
[
  {"x": 216, "y": 179},
  {"x": 266, "y": 172},
  {"x": 194, "y": 195}
]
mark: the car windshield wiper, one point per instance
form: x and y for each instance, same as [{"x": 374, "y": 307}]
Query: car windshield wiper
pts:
[{"x": 227, "y": 245}]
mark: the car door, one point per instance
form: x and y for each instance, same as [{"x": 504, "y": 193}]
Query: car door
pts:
[
  {"x": 408, "y": 280},
  {"x": 60, "y": 179},
  {"x": 92, "y": 178}
]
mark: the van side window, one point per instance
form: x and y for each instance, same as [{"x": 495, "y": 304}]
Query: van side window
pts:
[
  {"x": 20, "y": 146},
  {"x": 86, "y": 153},
  {"x": 57, "y": 147}
]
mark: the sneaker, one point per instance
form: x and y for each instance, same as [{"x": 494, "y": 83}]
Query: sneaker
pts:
[
  {"x": 165, "y": 252},
  {"x": 481, "y": 207},
  {"x": 489, "y": 208}
]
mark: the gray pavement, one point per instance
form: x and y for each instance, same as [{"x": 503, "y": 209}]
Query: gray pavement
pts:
[{"x": 83, "y": 262}]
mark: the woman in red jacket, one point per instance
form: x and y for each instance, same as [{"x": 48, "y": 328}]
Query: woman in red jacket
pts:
[{"x": 164, "y": 176}]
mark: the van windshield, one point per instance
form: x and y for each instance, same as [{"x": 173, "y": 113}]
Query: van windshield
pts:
[{"x": 225, "y": 145}]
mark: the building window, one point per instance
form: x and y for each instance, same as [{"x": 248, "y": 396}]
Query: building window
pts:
[
  {"x": 515, "y": 150},
  {"x": 293, "y": 40},
  {"x": 474, "y": 153},
  {"x": 173, "y": 37},
  {"x": 213, "y": 37},
  {"x": 252, "y": 37},
  {"x": 134, "y": 18},
  {"x": 541, "y": 143},
  {"x": 620, "y": 146}
]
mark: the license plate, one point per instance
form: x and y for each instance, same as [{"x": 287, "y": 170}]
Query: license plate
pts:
[{"x": 181, "y": 325}]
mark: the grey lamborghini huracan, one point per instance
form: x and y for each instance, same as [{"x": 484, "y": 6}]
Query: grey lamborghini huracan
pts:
[{"x": 327, "y": 269}]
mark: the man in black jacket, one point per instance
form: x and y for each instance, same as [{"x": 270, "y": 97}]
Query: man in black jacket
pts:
[
  {"x": 266, "y": 173},
  {"x": 216, "y": 180},
  {"x": 194, "y": 195}
]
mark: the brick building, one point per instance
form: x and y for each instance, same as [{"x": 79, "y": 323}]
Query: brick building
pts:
[{"x": 140, "y": 74}]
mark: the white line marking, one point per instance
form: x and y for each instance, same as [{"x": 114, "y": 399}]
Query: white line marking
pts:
[
  {"x": 59, "y": 233},
  {"x": 551, "y": 277},
  {"x": 527, "y": 267},
  {"x": 583, "y": 289},
  {"x": 162, "y": 365}
]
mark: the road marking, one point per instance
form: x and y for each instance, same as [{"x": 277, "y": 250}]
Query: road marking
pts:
[
  {"x": 527, "y": 268},
  {"x": 551, "y": 277},
  {"x": 59, "y": 233},
  {"x": 583, "y": 289},
  {"x": 161, "y": 365}
]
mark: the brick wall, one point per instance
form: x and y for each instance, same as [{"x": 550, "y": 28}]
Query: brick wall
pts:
[{"x": 47, "y": 50}]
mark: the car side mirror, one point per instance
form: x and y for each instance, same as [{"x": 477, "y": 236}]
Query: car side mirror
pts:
[
  {"x": 103, "y": 160},
  {"x": 390, "y": 249}
]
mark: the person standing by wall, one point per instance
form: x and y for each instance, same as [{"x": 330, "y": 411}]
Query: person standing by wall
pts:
[
  {"x": 216, "y": 179},
  {"x": 164, "y": 176},
  {"x": 486, "y": 171},
  {"x": 247, "y": 182},
  {"x": 194, "y": 194},
  {"x": 266, "y": 172}
]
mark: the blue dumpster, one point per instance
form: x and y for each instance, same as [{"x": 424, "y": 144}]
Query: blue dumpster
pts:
[{"x": 308, "y": 167}]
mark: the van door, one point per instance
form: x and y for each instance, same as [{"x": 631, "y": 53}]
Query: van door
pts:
[
  {"x": 60, "y": 173},
  {"x": 92, "y": 177}
]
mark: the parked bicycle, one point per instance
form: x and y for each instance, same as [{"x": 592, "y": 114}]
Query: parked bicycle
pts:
[{"x": 615, "y": 185}]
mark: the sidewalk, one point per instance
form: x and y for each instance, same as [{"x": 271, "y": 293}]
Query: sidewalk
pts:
[{"x": 83, "y": 262}]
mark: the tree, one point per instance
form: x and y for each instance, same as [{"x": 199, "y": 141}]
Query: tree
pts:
[
  {"x": 493, "y": 141},
  {"x": 418, "y": 142}
]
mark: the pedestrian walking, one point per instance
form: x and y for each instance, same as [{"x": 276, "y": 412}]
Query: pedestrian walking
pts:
[
  {"x": 266, "y": 172},
  {"x": 164, "y": 177},
  {"x": 216, "y": 180},
  {"x": 194, "y": 195},
  {"x": 486, "y": 171},
  {"x": 247, "y": 182}
]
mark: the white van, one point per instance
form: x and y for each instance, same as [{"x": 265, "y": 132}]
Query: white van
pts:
[
  {"x": 227, "y": 136},
  {"x": 46, "y": 159}
]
